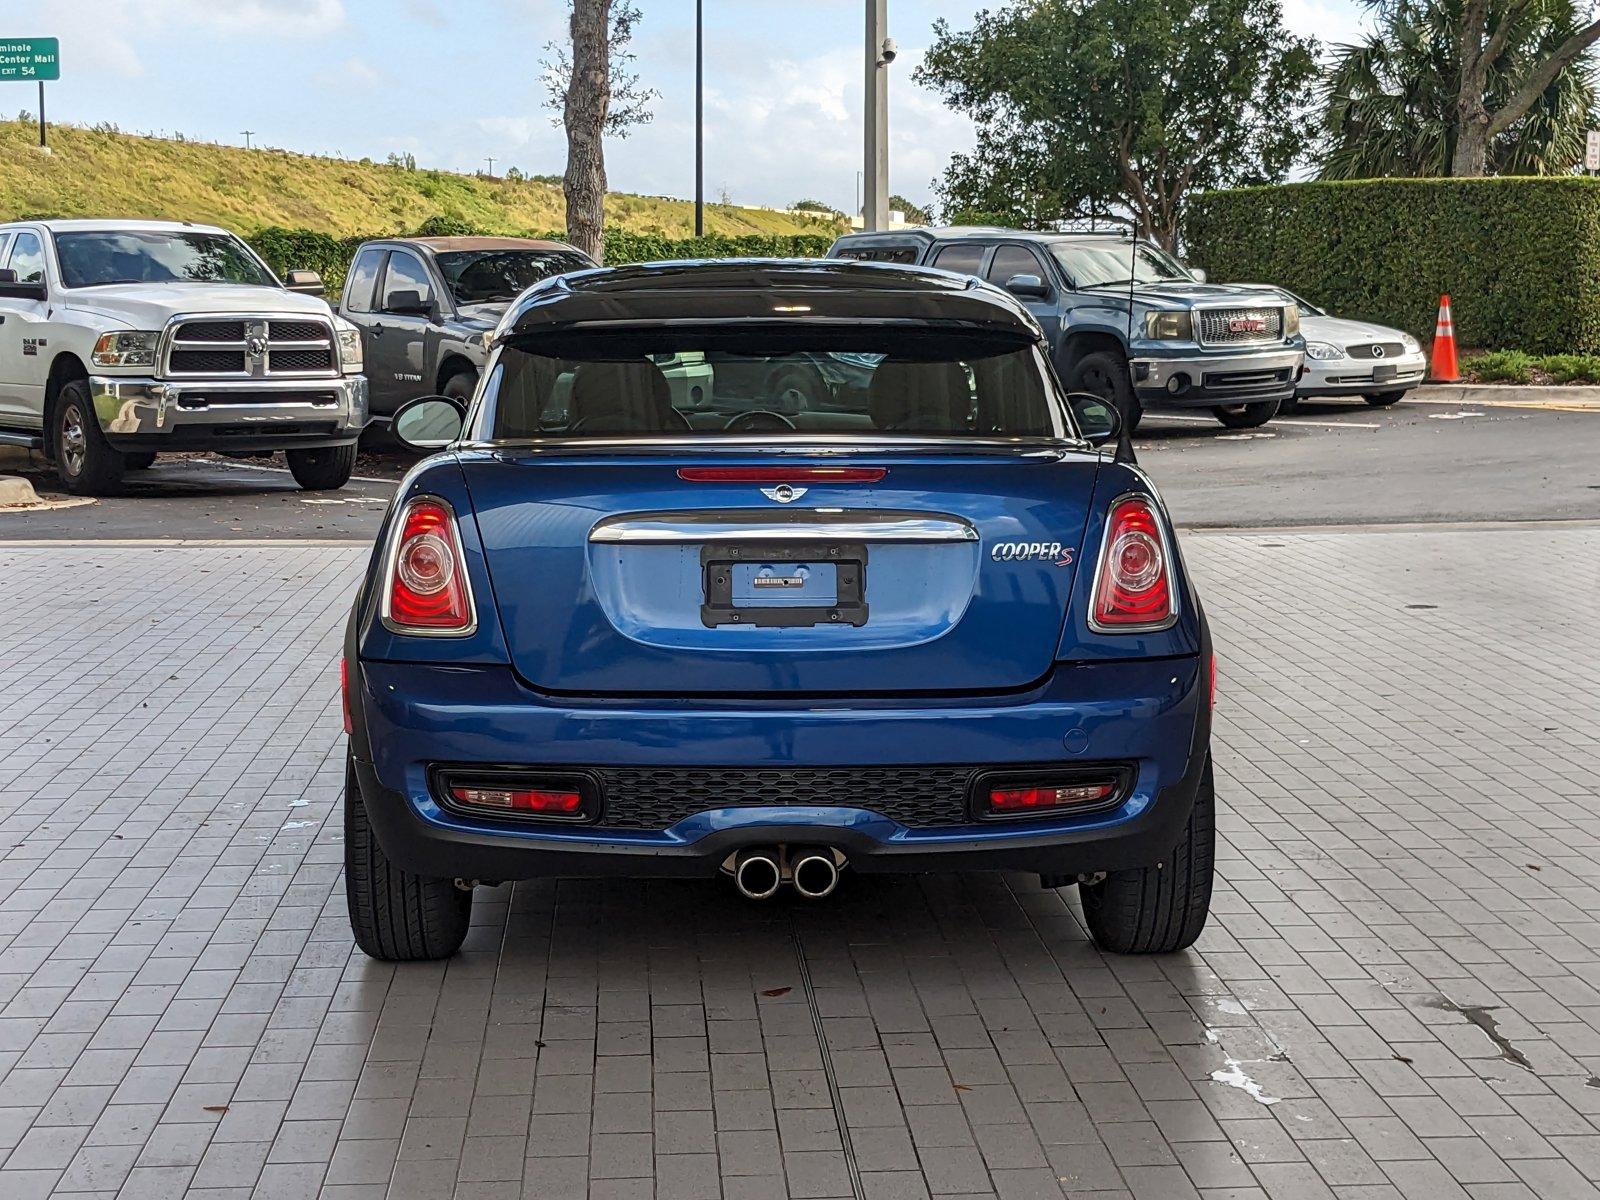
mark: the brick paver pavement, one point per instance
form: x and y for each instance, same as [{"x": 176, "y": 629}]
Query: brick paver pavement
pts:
[{"x": 1396, "y": 996}]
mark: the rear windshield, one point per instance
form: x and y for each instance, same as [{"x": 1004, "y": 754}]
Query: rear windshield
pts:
[
  {"x": 863, "y": 382},
  {"x": 486, "y": 276}
]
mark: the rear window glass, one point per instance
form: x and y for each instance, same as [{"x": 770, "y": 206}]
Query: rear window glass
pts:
[{"x": 869, "y": 383}]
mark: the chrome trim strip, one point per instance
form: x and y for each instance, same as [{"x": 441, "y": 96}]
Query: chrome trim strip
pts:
[
  {"x": 803, "y": 525},
  {"x": 392, "y": 552}
]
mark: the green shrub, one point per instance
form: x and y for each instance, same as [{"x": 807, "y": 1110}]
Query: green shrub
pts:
[
  {"x": 330, "y": 257},
  {"x": 1519, "y": 257},
  {"x": 1499, "y": 366}
]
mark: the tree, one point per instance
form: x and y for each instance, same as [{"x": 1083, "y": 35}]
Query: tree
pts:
[
  {"x": 1086, "y": 108},
  {"x": 816, "y": 206},
  {"x": 1394, "y": 103},
  {"x": 915, "y": 214},
  {"x": 597, "y": 93}
]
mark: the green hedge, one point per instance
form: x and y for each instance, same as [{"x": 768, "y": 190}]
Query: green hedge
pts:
[
  {"x": 330, "y": 256},
  {"x": 1519, "y": 257}
]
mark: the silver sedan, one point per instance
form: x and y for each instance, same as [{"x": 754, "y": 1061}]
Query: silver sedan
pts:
[{"x": 1355, "y": 358}]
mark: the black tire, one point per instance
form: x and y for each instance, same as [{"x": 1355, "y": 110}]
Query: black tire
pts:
[
  {"x": 1159, "y": 909},
  {"x": 396, "y": 916},
  {"x": 1285, "y": 407},
  {"x": 1383, "y": 399},
  {"x": 460, "y": 386},
  {"x": 324, "y": 468},
  {"x": 1105, "y": 374},
  {"x": 140, "y": 461},
  {"x": 85, "y": 461},
  {"x": 1246, "y": 416}
]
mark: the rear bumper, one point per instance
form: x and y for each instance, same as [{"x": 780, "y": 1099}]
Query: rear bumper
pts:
[
  {"x": 1206, "y": 379},
  {"x": 244, "y": 414},
  {"x": 1152, "y": 715}
]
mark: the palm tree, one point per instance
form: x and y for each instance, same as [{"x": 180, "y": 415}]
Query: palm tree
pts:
[{"x": 1390, "y": 104}]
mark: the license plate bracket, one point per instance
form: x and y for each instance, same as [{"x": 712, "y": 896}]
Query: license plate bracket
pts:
[
  {"x": 800, "y": 584},
  {"x": 1384, "y": 372}
]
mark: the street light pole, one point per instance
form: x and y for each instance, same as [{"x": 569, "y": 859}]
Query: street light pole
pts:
[
  {"x": 875, "y": 214},
  {"x": 247, "y": 133},
  {"x": 699, "y": 125}
]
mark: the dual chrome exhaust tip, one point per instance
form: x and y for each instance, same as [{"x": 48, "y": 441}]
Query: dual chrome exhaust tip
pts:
[{"x": 813, "y": 871}]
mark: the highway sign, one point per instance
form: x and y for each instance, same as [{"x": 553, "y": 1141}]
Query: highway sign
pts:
[{"x": 29, "y": 60}]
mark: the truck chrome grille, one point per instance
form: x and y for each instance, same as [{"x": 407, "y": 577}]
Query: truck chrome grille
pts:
[
  {"x": 1238, "y": 326},
  {"x": 659, "y": 797},
  {"x": 250, "y": 348}
]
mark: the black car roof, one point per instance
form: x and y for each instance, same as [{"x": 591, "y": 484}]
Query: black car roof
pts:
[
  {"x": 765, "y": 291},
  {"x": 988, "y": 233}
]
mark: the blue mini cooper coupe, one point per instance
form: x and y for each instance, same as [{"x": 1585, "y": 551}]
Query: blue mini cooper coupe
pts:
[{"x": 652, "y": 611}]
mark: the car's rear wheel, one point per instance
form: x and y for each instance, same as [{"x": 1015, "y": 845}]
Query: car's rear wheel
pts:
[
  {"x": 1105, "y": 375},
  {"x": 85, "y": 461},
  {"x": 1159, "y": 909},
  {"x": 325, "y": 468},
  {"x": 396, "y": 916},
  {"x": 1246, "y": 416},
  {"x": 1383, "y": 399}
]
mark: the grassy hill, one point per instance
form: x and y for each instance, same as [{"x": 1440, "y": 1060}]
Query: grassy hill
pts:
[{"x": 94, "y": 172}]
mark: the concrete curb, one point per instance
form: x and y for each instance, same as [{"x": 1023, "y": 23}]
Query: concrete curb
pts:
[{"x": 1507, "y": 395}]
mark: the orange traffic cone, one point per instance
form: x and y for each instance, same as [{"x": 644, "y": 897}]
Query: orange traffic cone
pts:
[{"x": 1443, "y": 360}]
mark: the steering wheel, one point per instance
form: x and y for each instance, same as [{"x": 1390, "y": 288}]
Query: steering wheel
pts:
[{"x": 759, "y": 421}]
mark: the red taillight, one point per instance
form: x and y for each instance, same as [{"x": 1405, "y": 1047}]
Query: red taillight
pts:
[
  {"x": 344, "y": 694},
  {"x": 527, "y": 800},
  {"x": 1031, "y": 799},
  {"x": 782, "y": 474},
  {"x": 428, "y": 590},
  {"x": 1133, "y": 590}
]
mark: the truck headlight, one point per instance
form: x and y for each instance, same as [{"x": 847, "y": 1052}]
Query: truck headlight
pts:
[
  {"x": 130, "y": 348},
  {"x": 1291, "y": 320},
  {"x": 1168, "y": 327},
  {"x": 1323, "y": 351},
  {"x": 350, "y": 350}
]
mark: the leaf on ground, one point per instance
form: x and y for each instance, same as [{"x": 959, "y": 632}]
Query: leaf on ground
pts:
[
  {"x": 216, "y": 1108},
  {"x": 1401, "y": 1058},
  {"x": 774, "y": 993}
]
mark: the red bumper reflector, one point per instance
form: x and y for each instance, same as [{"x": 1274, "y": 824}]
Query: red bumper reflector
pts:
[
  {"x": 1027, "y": 799},
  {"x": 782, "y": 474},
  {"x": 344, "y": 694},
  {"x": 532, "y": 800}
]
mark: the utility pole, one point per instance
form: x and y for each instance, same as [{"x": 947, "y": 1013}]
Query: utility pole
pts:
[
  {"x": 699, "y": 125},
  {"x": 247, "y": 133},
  {"x": 880, "y": 53},
  {"x": 43, "y": 145},
  {"x": 491, "y": 166}
]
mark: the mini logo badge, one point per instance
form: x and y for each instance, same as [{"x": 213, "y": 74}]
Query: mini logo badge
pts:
[
  {"x": 1054, "y": 552},
  {"x": 784, "y": 493}
]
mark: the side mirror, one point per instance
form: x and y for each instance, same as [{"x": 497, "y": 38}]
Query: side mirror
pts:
[
  {"x": 1028, "y": 285},
  {"x": 428, "y": 423},
  {"x": 1098, "y": 419},
  {"x": 14, "y": 289},
  {"x": 1198, "y": 275},
  {"x": 409, "y": 303},
  {"x": 308, "y": 282}
]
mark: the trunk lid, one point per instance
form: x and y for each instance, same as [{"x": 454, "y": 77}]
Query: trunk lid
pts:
[{"x": 612, "y": 574}]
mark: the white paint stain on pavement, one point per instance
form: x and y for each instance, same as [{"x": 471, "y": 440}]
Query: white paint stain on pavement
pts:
[
  {"x": 1455, "y": 416},
  {"x": 1233, "y": 1074}
]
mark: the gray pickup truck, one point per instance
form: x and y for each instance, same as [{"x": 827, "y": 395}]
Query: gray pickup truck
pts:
[
  {"x": 423, "y": 306},
  {"x": 1233, "y": 349}
]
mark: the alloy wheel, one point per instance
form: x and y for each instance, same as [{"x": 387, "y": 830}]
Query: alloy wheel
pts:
[{"x": 74, "y": 440}]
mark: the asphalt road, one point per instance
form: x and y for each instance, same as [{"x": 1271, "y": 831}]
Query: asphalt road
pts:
[{"x": 1328, "y": 464}]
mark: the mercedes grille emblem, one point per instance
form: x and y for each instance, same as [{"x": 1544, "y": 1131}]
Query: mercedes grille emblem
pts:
[{"x": 1377, "y": 352}]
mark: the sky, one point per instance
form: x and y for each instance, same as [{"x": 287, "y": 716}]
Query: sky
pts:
[{"x": 455, "y": 81}]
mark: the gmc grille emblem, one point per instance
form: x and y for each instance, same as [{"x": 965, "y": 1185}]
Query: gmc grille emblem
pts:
[{"x": 1250, "y": 324}]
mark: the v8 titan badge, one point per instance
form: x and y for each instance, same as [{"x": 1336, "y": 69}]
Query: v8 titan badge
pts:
[{"x": 1032, "y": 552}]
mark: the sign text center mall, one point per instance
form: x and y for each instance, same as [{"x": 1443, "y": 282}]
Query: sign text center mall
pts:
[{"x": 28, "y": 59}]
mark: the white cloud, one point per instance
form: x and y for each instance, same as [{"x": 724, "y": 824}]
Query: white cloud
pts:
[{"x": 354, "y": 74}]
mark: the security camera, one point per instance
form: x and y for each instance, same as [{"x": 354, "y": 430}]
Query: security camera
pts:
[{"x": 889, "y": 52}]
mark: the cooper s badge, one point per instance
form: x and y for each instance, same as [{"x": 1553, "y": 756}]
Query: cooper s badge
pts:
[{"x": 1032, "y": 552}]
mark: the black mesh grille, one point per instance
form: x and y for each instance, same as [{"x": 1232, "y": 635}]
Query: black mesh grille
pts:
[
  {"x": 297, "y": 331},
  {"x": 211, "y": 331},
  {"x": 207, "y": 362},
  {"x": 1368, "y": 350},
  {"x": 201, "y": 398},
  {"x": 657, "y": 797},
  {"x": 300, "y": 360}
]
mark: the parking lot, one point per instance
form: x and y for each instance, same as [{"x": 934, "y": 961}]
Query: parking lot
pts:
[{"x": 1396, "y": 995}]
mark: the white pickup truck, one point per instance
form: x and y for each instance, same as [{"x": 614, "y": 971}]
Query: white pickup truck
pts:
[{"x": 121, "y": 339}]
